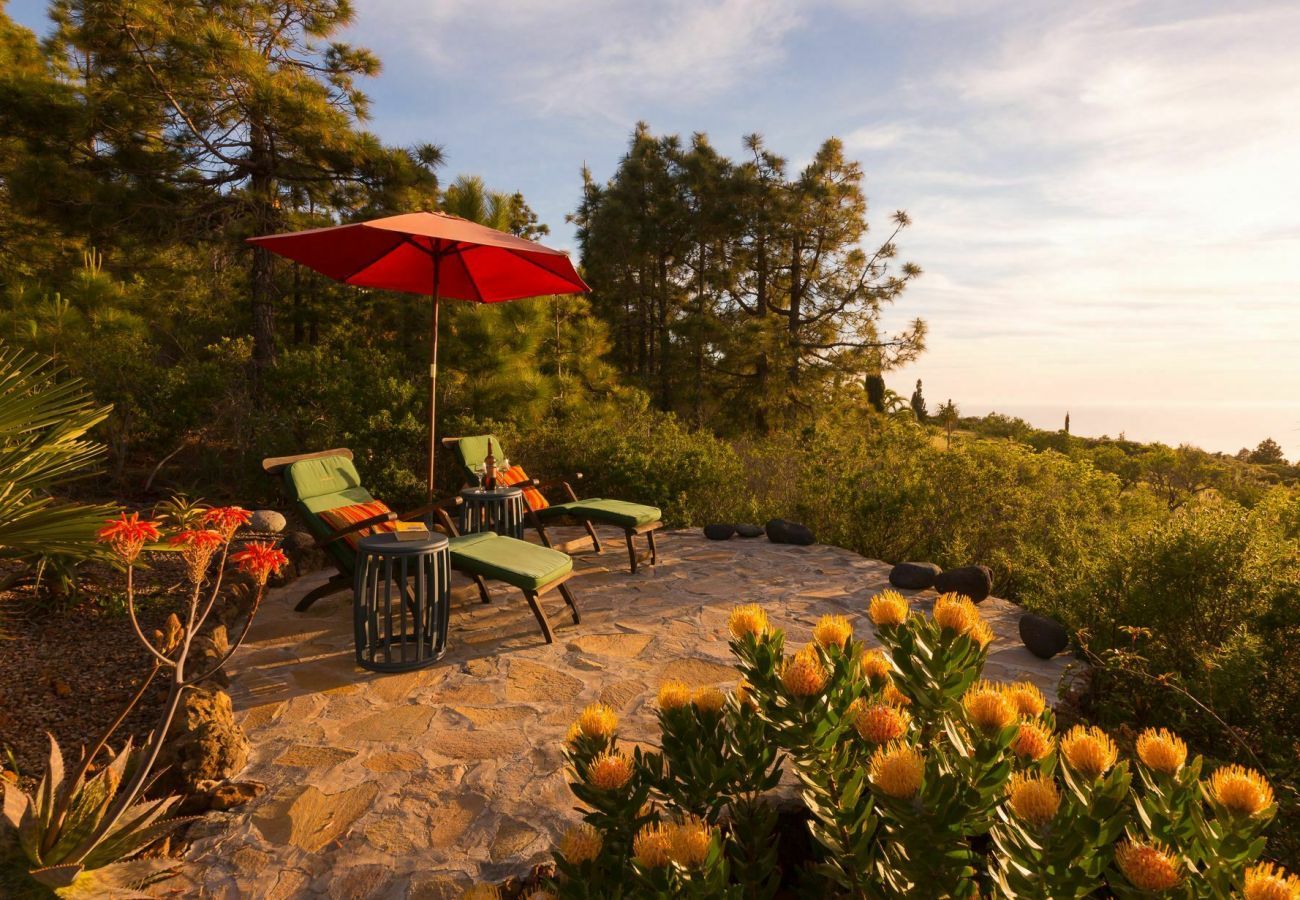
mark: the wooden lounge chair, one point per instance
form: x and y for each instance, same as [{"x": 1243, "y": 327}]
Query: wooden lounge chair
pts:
[
  {"x": 633, "y": 518},
  {"x": 326, "y": 490}
]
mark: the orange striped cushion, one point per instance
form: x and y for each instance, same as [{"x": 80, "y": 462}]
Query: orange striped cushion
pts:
[
  {"x": 343, "y": 516},
  {"x": 516, "y": 475}
]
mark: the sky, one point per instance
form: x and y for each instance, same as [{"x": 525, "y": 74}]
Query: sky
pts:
[{"x": 1105, "y": 195}]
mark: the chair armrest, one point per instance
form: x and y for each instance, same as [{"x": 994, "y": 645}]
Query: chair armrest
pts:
[{"x": 358, "y": 526}]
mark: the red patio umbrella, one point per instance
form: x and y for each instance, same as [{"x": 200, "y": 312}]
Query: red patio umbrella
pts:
[{"x": 435, "y": 254}]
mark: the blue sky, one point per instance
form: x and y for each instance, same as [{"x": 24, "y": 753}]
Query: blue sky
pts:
[{"x": 1106, "y": 195}]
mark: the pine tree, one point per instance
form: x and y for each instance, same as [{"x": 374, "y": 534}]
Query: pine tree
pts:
[
  {"x": 875, "y": 385},
  {"x": 948, "y": 418},
  {"x": 918, "y": 404},
  {"x": 1067, "y": 422}
]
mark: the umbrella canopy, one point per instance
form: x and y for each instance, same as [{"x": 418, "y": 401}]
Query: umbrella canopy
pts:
[{"x": 431, "y": 253}]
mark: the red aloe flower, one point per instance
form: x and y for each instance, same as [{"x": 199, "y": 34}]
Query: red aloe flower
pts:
[
  {"x": 227, "y": 519},
  {"x": 204, "y": 539},
  {"x": 261, "y": 559},
  {"x": 127, "y": 535}
]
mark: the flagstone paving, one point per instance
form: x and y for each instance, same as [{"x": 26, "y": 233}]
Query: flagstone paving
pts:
[{"x": 412, "y": 785}]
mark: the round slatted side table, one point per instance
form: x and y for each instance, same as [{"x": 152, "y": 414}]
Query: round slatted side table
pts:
[
  {"x": 401, "y": 600},
  {"x": 500, "y": 510}
]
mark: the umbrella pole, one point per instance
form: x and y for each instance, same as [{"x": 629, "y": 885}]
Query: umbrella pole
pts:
[{"x": 433, "y": 378}]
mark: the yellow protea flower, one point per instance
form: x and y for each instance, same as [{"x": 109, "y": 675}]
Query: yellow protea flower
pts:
[
  {"x": 1027, "y": 699},
  {"x": 803, "y": 674},
  {"x": 881, "y": 723},
  {"x": 832, "y": 631},
  {"x": 1243, "y": 792},
  {"x": 1149, "y": 867},
  {"x": 1032, "y": 741},
  {"x": 1161, "y": 751},
  {"x": 1089, "y": 751},
  {"x": 610, "y": 771},
  {"x": 652, "y": 845},
  {"x": 674, "y": 695},
  {"x": 988, "y": 708},
  {"x": 876, "y": 666},
  {"x": 955, "y": 613},
  {"x": 1033, "y": 798},
  {"x": 888, "y": 608},
  {"x": 981, "y": 633},
  {"x": 581, "y": 843},
  {"x": 747, "y": 619},
  {"x": 1268, "y": 882},
  {"x": 897, "y": 770},
  {"x": 481, "y": 892},
  {"x": 894, "y": 697},
  {"x": 688, "y": 842},
  {"x": 709, "y": 699},
  {"x": 596, "y": 721}
]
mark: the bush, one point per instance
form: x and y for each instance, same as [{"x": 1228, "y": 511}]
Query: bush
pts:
[{"x": 918, "y": 779}]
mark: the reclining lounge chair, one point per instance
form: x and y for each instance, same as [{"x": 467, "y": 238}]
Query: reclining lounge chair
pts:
[
  {"x": 327, "y": 492},
  {"x": 632, "y": 518}
]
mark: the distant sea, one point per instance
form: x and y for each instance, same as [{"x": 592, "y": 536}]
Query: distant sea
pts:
[{"x": 1209, "y": 427}]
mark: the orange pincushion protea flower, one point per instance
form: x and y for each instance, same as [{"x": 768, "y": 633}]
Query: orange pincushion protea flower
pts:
[
  {"x": 897, "y": 769},
  {"x": 1268, "y": 882},
  {"x": 688, "y": 842},
  {"x": 748, "y": 619},
  {"x": 674, "y": 695},
  {"x": 955, "y": 613},
  {"x": 1161, "y": 751},
  {"x": 1089, "y": 751},
  {"x": 652, "y": 846},
  {"x": 981, "y": 633},
  {"x": 876, "y": 666},
  {"x": 581, "y": 843},
  {"x": 803, "y": 674},
  {"x": 1033, "y": 798},
  {"x": 988, "y": 708},
  {"x": 1026, "y": 698},
  {"x": 894, "y": 697},
  {"x": 832, "y": 631},
  {"x": 260, "y": 559},
  {"x": 888, "y": 608},
  {"x": 596, "y": 721},
  {"x": 127, "y": 535},
  {"x": 1241, "y": 791},
  {"x": 708, "y": 700},
  {"x": 1149, "y": 867},
  {"x": 1032, "y": 741},
  {"x": 881, "y": 723},
  {"x": 611, "y": 771},
  {"x": 226, "y": 520}
]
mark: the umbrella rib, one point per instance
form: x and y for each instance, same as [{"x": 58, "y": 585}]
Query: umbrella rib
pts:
[
  {"x": 460, "y": 252},
  {"x": 534, "y": 262},
  {"x": 356, "y": 272}
]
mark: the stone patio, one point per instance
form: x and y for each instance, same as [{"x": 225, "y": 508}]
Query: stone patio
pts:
[{"x": 412, "y": 785}]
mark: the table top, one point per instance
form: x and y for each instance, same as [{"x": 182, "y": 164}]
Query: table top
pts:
[
  {"x": 386, "y": 542},
  {"x": 501, "y": 493}
]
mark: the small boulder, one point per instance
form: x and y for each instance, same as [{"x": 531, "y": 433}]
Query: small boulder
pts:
[
  {"x": 1042, "y": 636},
  {"x": 234, "y": 793},
  {"x": 783, "y": 531},
  {"x": 749, "y": 531},
  {"x": 302, "y": 551},
  {"x": 267, "y": 521},
  {"x": 719, "y": 532},
  {"x": 975, "y": 582},
  {"x": 204, "y": 743},
  {"x": 914, "y": 576}
]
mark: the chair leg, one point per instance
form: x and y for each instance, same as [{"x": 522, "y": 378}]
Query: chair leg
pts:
[
  {"x": 541, "y": 532},
  {"x": 654, "y": 551},
  {"x": 531, "y": 597},
  {"x": 483, "y": 594},
  {"x": 573, "y": 604},
  {"x": 631, "y": 551},
  {"x": 334, "y": 585},
  {"x": 595, "y": 541}
]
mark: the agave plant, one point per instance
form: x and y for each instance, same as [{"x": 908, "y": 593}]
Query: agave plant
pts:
[
  {"x": 82, "y": 804},
  {"x": 44, "y": 421}
]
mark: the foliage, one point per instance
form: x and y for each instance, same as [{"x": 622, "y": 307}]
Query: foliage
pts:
[
  {"x": 44, "y": 426},
  {"x": 920, "y": 780}
]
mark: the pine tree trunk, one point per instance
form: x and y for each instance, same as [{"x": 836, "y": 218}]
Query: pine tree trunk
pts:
[{"x": 262, "y": 277}]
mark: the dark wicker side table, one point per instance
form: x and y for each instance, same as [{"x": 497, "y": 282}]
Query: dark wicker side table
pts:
[
  {"x": 401, "y": 600},
  {"x": 500, "y": 510}
]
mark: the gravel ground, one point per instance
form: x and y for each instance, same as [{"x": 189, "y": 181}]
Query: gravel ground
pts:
[{"x": 68, "y": 669}]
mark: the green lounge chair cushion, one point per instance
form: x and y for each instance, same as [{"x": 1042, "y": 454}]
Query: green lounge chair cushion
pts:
[
  {"x": 327, "y": 482},
  {"x": 610, "y": 512},
  {"x": 519, "y": 563}
]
